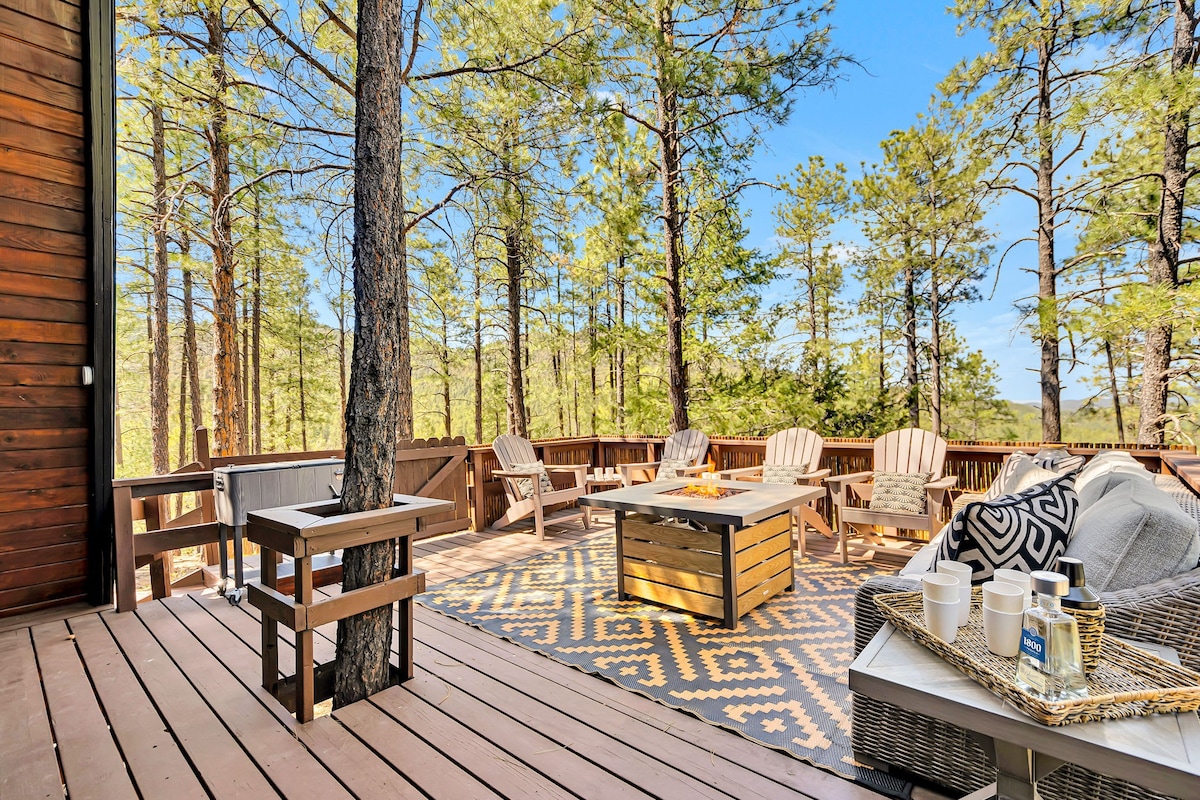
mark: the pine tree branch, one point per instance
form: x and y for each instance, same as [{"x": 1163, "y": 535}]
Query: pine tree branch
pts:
[{"x": 304, "y": 55}]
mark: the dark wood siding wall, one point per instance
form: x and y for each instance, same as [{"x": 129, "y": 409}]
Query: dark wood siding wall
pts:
[{"x": 45, "y": 291}]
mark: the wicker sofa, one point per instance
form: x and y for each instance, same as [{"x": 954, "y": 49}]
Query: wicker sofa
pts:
[{"x": 887, "y": 737}]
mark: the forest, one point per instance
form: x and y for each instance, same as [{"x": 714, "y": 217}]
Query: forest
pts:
[{"x": 574, "y": 226}]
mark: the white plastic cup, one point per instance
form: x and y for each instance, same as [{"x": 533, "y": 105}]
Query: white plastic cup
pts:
[
  {"x": 1017, "y": 579},
  {"x": 1005, "y": 597},
  {"x": 940, "y": 588},
  {"x": 598, "y": 473},
  {"x": 963, "y": 573},
  {"x": 941, "y": 619},
  {"x": 1003, "y": 631}
]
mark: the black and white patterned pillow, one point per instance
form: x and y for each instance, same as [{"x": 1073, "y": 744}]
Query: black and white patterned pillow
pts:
[
  {"x": 899, "y": 491},
  {"x": 1058, "y": 460},
  {"x": 785, "y": 474},
  {"x": 1018, "y": 473},
  {"x": 1026, "y": 531},
  {"x": 525, "y": 485},
  {"x": 669, "y": 468}
]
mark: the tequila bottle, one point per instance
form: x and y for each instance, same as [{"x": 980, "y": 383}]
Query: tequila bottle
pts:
[{"x": 1049, "y": 664}]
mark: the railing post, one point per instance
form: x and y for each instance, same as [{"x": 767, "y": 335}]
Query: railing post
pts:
[
  {"x": 478, "y": 519},
  {"x": 123, "y": 525}
]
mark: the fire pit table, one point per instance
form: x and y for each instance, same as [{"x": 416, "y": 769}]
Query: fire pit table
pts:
[{"x": 718, "y": 556}]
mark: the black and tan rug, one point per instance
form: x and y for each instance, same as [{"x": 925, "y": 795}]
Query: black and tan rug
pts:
[{"x": 779, "y": 678}]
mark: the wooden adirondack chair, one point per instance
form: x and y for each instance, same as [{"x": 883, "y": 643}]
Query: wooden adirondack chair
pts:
[
  {"x": 909, "y": 450},
  {"x": 792, "y": 448},
  {"x": 689, "y": 445},
  {"x": 513, "y": 450}
]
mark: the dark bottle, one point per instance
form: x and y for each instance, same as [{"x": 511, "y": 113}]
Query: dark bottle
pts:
[{"x": 1080, "y": 595}]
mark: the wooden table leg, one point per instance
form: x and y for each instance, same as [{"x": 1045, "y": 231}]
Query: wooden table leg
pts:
[
  {"x": 304, "y": 643},
  {"x": 791, "y": 587},
  {"x": 619, "y": 523},
  {"x": 270, "y": 628},
  {"x": 728, "y": 576}
]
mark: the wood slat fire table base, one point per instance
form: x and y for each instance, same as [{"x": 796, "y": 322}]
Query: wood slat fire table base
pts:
[
  {"x": 307, "y": 530},
  {"x": 743, "y": 558},
  {"x": 706, "y": 572}
]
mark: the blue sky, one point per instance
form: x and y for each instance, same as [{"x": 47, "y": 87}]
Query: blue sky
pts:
[{"x": 905, "y": 49}]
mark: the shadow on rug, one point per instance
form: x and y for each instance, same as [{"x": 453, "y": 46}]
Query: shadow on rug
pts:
[{"x": 779, "y": 678}]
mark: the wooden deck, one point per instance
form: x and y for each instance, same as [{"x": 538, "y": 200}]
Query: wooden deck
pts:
[{"x": 165, "y": 702}]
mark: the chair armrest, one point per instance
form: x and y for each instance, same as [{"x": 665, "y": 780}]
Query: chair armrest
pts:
[
  {"x": 815, "y": 477},
  {"x": 839, "y": 486},
  {"x": 510, "y": 473},
  {"x": 1164, "y": 612},
  {"x": 868, "y": 619},
  {"x": 699, "y": 469},
  {"x": 580, "y": 471},
  {"x": 627, "y": 470},
  {"x": 739, "y": 474},
  {"x": 947, "y": 482},
  {"x": 838, "y": 481}
]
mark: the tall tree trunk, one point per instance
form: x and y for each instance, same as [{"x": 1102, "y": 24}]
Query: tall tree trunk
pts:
[
  {"x": 592, "y": 356},
  {"x": 1114, "y": 390},
  {"x": 621, "y": 345},
  {"x": 516, "y": 379},
  {"x": 183, "y": 410},
  {"x": 160, "y": 358},
  {"x": 1163, "y": 260},
  {"x": 300, "y": 377},
  {"x": 191, "y": 349},
  {"x": 444, "y": 354},
  {"x": 364, "y": 641},
  {"x": 671, "y": 180},
  {"x": 935, "y": 349},
  {"x": 256, "y": 333},
  {"x": 557, "y": 357},
  {"x": 911, "y": 377},
  {"x": 477, "y": 347},
  {"x": 229, "y": 415},
  {"x": 1047, "y": 271},
  {"x": 341, "y": 318}
]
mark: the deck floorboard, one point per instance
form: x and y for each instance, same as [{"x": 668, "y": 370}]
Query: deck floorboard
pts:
[{"x": 166, "y": 701}]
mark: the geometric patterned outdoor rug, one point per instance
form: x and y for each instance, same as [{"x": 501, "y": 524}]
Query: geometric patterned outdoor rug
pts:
[{"x": 779, "y": 678}]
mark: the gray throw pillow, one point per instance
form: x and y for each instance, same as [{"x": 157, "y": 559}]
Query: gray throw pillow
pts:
[
  {"x": 1134, "y": 535},
  {"x": 785, "y": 474},
  {"x": 1025, "y": 531},
  {"x": 1102, "y": 475},
  {"x": 903, "y": 492},
  {"x": 525, "y": 485},
  {"x": 669, "y": 468}
]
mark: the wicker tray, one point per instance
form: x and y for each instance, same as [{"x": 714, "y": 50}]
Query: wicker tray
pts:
[{"x": 1128, "y": 682}]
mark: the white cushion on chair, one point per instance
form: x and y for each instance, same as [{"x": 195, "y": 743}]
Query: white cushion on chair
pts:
[
  {"x": 525, "y": 485},
  {"x": 903, "y": 492},
  {"x": 785, "y": 474},
  {"x": 669, "y": 468}
]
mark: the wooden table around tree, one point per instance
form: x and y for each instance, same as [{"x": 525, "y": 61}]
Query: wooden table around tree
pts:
[
  {"x": 741, "y": 561},
  {"x": 304, "y": 531},
  {"x": 1160, "y": 752}
]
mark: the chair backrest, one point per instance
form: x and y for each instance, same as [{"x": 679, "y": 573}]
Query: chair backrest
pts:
[
  {"x": 689, "y": 445},
  {"x": 910, "y": 450},
  {"x": 794, "y": 447},
  {"x": 510, "y": 449}
]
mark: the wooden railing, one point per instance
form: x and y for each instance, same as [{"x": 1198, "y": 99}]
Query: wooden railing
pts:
[
  {"x": 450, "y": 470},
  {"x": 435, "y": 468},
  {"x": 975, "y": 463}
]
